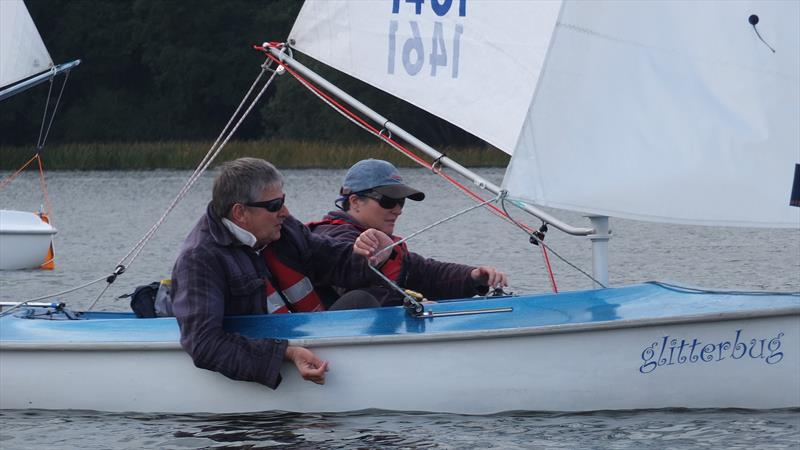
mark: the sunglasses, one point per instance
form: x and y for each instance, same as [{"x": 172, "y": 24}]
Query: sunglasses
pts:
[
  {"x": 273, "y": 205},
  {"x": 384, "y": 201}
]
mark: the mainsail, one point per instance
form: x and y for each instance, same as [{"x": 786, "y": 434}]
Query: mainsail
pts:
[{"x": 662, "y": 110}]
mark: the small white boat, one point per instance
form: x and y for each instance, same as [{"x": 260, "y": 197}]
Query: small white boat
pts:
[
  {"x": 678, "y": 112},
  {"x": 26, "y": 240},
  {"x": 641, "y": 346}
]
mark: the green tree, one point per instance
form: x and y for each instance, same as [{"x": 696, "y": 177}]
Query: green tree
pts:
[{"x": 157, "y": 70}]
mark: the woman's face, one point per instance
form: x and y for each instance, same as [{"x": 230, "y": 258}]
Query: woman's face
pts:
[{"x": 371, "y": 214}]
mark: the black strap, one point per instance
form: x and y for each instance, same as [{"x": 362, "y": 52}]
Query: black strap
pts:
[{"x": 258, "y": 260}]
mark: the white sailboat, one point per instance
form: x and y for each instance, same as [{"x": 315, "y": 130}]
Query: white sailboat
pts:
[
  {"x": 26, "y": 238},
  {"x": 655, "y": 95}
]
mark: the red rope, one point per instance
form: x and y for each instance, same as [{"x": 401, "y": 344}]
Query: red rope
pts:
[
  {"x": 48, "y": 208},
  {"x": 549, "y": 268},
  {"x": 401, "y": 148},
  {"x": 7, "y": 180}
]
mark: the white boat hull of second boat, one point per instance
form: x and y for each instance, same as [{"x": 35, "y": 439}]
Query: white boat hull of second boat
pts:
[{"x": 25, "y": 240}]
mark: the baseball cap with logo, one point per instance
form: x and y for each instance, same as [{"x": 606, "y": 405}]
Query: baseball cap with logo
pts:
[{"x": 379, "y": 176}]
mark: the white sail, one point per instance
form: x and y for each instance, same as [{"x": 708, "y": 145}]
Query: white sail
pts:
[
  {"x": 670, "y": 111},
  {"x": 474, "y": 63},
  {"x": 22, "y": 52}
]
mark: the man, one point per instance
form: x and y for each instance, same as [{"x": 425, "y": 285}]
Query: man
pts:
[
  {"x": 247, "y": 255},
  {"x": 372, "y": 197}
]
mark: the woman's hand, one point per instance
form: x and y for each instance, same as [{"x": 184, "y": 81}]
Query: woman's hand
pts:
[
  {"x": 489, "y": 276},
  {"x": 370, "y": 242}
]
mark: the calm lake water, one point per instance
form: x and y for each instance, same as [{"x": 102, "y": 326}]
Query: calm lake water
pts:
[{"x": 102, "y": 215}]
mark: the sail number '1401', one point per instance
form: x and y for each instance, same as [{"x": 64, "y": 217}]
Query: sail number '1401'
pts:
[{"x": 413, "y": 53}]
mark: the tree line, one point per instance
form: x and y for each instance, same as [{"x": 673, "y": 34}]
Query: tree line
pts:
[{"x": 162, "y": 70}]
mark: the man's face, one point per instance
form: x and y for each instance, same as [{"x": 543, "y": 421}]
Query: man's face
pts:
[{"x": 265, "y": 225}]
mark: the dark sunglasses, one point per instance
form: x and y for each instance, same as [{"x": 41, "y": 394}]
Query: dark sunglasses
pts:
[
  {"x": 273, "y": 205},
  {"x": 384, "y": 201}
]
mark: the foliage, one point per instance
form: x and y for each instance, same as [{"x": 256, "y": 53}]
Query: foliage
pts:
[
  {"x": 184, "y": 155},
  {"x": 172, "y": 70}
]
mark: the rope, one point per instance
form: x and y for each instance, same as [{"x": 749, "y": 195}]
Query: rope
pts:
[
  {"x": 358, "y": 121},
  {"x": 212, "y": 153},
  {"x": 67, "y": 291},
  {"x": 47, "y": 207},
  {"x": 7, "y": 180},
  {"x": 361, "y": 123},
  {"x": 549, "y": 267}
]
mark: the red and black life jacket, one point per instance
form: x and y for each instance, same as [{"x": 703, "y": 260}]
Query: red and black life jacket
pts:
[
  {"x": 294, "y": 291},
  {"x": 393, "y": 267}
]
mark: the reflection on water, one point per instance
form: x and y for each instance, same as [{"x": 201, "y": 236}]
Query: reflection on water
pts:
[{"x": 674, "y": 429}]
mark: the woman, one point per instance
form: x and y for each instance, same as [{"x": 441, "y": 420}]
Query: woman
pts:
[{"x": 373, "y": 196}]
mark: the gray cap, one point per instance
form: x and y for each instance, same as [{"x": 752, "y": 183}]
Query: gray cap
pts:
[{"x": 379, "y": 176}]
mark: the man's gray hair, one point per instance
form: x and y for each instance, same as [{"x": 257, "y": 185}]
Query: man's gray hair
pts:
[{"x": 241, "y": 181}]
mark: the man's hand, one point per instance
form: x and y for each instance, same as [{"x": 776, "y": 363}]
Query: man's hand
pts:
[
  {"x": 370, "y": 242},
  {"x": 488, "y": 276},
  {"x": 310, "y": 367}
]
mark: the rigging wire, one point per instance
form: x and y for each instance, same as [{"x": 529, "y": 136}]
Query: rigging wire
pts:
[
  {"x": 437, "y": 223},
  {"x": 409, "y": 299},
  {"x": 541, "y": 243},
  {"x": 44, "y": 297},
  {"x": 212, "y": 153},
  {"x": 41, "y": 141}
]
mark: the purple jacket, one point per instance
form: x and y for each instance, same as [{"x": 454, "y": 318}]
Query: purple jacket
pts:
[
  {"x": 216, "y": 276},
  {"x": 434, "y": 279}
]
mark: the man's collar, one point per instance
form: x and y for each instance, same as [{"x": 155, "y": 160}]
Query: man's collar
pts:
[{"x": 245, "y": 237}]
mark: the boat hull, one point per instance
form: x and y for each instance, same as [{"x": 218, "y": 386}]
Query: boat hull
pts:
[
  {"x": 25, "y": 240},
  {"x": 747, "y": 363}
]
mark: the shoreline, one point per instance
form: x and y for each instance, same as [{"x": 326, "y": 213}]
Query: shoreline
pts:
[{"x": 184, "y": 155}]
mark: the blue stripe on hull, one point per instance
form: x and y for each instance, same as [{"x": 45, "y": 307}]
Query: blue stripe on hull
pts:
[{"x": 636, "y": 302}]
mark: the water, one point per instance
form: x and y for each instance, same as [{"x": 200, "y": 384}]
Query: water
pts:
[
  {"x": 102, "y": 215},
  {"x": 667, "y": 429}
]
